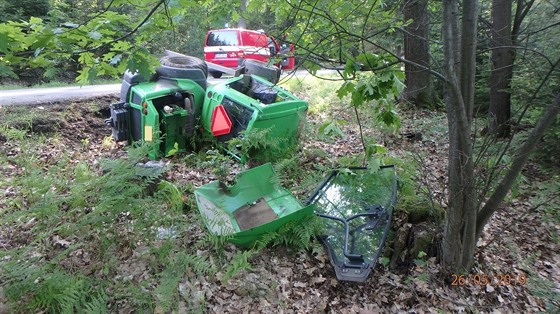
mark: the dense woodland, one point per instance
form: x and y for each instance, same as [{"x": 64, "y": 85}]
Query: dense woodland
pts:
[{"x": 491, "y": 67}]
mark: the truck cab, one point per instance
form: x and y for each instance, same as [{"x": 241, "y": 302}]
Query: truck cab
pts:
[{"x": 228, "y": 47}]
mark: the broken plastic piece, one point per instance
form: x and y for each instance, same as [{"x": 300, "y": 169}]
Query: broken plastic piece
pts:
[{"x": 255, "y": 205}]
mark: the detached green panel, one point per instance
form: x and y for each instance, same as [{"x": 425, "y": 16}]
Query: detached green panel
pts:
[{"x": 255, "y": 205}]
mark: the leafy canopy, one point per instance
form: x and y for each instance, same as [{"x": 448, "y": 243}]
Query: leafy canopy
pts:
[{"x": 104, "y": 42}]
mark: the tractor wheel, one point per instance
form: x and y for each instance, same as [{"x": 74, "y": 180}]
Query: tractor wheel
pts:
[
  {"x": 216, "y": 74},
  {"x": 268, "y": 72},
  {"x": 181, "y": 62}
]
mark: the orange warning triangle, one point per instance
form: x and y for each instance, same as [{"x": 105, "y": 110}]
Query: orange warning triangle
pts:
[{"x": 221, "y": 123}]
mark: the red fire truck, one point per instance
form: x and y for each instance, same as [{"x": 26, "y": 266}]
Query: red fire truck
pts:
[{"x": 229, "y": 47}]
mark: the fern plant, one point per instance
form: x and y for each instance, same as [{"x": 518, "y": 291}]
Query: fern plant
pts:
[
  {"x": 50, "y": 289},
  {"x": 104, "y": 211},
  {"x": 260, "y": 146},
  {"x": 239, "y": 262}
]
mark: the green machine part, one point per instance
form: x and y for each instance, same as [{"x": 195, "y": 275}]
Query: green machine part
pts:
[
  {"x": 151, "y": 123},
  {"x": 172, "y": 125},
  {"x": 248, "y": 110},
  {"x": 255, "y": 205}
]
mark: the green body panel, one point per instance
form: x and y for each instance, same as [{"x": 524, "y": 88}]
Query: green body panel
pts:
[
  {"x": 219, "y": 205},
  {"x": 281, "y": 117},
  {"x": 157, "y": 125}
]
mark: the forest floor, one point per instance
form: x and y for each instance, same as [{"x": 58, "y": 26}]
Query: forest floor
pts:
[{"x": 519, "y": 252}]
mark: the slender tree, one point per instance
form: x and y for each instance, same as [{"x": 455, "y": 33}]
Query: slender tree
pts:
[
  {"x": 465, "y": 218},
  {"x": 459, "y": 50}
]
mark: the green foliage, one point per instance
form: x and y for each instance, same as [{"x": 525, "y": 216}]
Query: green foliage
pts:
[
  {"x": 72, "y": 208},
  {"x": 16, "y": 10},
  {"x": 288, "y": 171},
  {"x": 200, "y": 264},
  {"x": 218, "y": 163},
  {"x": 166, "y": 293},
  {"x": 51, "y": 289},
  {"x": 329, "y": 31},
  {"x": 420, "y": 261},
  {"x": 295, "y": 234},
  {"x": 239, "y": 262},
  {"x": 548, "y": 151},
  {"x": 378, "y": 88},
  {"x": 493, "y": 159},
  {"x": 96, "y": 41},
  {"x": 186, "y": 33},
  {"x": 331, "y": 129},
  {"x": 318, "y": 93},
  {"x": 545, "y": 197},
  {"x": 415, "y": 194},
  {"x": 216, "y": 243},
  {"x": 169, "y": 193},
  {"x": 384, "y": 261},
  {"x": 258, "y": 145}
]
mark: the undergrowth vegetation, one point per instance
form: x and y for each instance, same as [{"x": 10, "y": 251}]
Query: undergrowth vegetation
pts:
[
  {"x": 83, "y": 221},
  {"x": 76, "y": 225},
  {"x": 86, "y": 229}
]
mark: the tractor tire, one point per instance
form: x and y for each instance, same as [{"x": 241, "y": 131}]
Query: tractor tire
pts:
[
  {"x": 182, "y": 62},
  {"x": 216, "y": 74},
  {"x": 269, "y": 72}
]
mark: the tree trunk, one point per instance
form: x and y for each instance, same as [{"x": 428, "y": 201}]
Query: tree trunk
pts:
[
  {"x": 242, "y": 11},
  {"x": 519, "y": 160},
  {"x": 459, "y": 240},
  {"x": 468, "y": 40},
  {"x": 464, "y": 219},
  {"x": 416, "y": 49},
  {"x": 503, "y": 57}
]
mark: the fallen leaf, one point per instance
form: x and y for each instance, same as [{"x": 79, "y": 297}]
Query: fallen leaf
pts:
[{"x": 299, "y": 284}]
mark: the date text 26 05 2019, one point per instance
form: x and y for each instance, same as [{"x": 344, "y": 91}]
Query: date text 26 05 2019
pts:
[{"x": 489, "y": 279}]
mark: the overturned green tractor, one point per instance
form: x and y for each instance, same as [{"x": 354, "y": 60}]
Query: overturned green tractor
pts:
[{"x": 177, "y": 105}]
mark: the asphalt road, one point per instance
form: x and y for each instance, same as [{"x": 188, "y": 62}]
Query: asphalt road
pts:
[
  {"x": 42, "y": 96},
  {"x": 35, "y": 96}
]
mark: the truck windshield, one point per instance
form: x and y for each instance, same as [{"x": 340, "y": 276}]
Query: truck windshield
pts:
[{"x": 222, "y": 38}]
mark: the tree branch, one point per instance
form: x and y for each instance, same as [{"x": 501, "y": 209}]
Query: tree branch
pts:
[
  {"x": 524, "y": 49},
  {"x": 519, "y": 161},
  {"x": 132, "y": 32}
]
